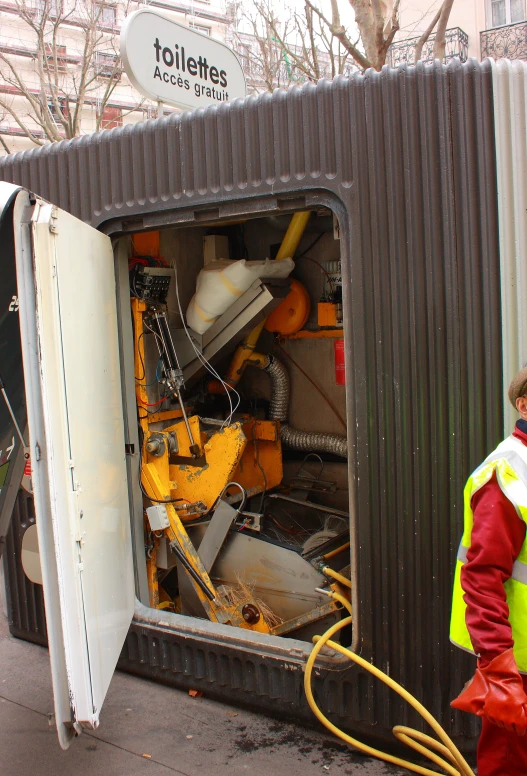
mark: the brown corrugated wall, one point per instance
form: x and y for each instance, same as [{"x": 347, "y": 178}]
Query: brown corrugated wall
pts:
[{"x": 407, "y": 159}]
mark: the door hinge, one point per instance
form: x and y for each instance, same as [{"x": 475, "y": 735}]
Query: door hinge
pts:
[{"x": 53, "y": 228}]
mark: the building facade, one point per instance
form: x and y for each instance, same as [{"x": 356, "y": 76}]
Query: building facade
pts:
[
  {"x": 68, "y": 49},
  {"x": 477, "y": 28}
]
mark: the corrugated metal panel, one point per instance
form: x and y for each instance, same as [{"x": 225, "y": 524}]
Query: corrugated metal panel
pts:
[
  {"x": 510, "y": 106},
  {"x": 406, "y": 157},
  {"x": 425, "y": 342}
]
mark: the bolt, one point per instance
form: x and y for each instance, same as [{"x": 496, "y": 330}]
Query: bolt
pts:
[{"x": 251, "y": 614}]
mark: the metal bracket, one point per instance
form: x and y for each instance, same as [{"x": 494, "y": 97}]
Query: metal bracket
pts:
[{"x": 53, "y": 228}]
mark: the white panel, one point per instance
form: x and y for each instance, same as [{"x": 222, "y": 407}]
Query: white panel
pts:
[
  {"x": 78, "y": 454},
  {"x": 510, "y": 112}
]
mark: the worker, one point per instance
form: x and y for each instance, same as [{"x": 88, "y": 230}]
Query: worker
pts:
[{"x": 489, "y": 610}]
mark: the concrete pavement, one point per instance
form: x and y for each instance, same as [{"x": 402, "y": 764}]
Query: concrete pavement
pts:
[{"x": 150, "y": 730}]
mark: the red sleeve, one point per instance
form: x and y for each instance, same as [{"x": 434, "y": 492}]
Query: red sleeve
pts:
[{"x": 497, "y": 538}]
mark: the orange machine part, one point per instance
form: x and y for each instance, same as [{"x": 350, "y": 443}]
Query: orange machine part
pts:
[
  {"x": 291, "y": 315},
  {"x": 327, "y": 314},
  {"x": 260, "y": 467},
  {"x": 146, "y": 244}
]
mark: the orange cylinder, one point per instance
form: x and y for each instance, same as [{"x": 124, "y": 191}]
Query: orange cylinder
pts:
[{"x": 291, "y": 315}]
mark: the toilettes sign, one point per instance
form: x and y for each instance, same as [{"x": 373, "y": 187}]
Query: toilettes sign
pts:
[{"x": 174, "y": 64}]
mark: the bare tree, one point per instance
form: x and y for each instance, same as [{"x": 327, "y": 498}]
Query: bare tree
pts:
[
  {"x": 377, "y": 23},
  {"x": 280, "y": 51},
  {"x": 47, "y": 99}
]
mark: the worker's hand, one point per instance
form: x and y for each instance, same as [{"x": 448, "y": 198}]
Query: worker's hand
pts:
[
  {"x": 506, "y": 701},
  {"x": 496, "y": 692},
  {"x": 473, "y": 695}
]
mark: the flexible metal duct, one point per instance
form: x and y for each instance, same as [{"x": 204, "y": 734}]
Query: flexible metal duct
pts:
[{"x": 278, "y": 410}]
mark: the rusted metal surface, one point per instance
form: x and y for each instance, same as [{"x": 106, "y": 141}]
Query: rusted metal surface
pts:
[
  {"x": 406, "y": 160},
  {"x": 319, "y": 613}
]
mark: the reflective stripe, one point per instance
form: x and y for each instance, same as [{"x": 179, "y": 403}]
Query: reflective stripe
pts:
[
  {"x": 519, "y": 570},
  {"x": 515, "y": 459}
]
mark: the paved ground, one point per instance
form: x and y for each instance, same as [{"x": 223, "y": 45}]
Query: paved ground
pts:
[{"x": 181, "y": 735}]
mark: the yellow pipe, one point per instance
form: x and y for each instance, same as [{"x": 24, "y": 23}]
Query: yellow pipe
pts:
[
  {"x": 332, "y": 554},
  {"x": 243, "y": 353},
  {"x": 295, "y": 230},
  {"x": 418, "y": 741},
  {"x": 330, "y": 573}
]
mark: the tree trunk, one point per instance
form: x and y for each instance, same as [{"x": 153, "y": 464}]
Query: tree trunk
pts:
[
  {"x": 426, "y": 34},
  {"x": 440, "y": 41}
]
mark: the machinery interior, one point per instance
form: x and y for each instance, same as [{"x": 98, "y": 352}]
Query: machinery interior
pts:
[{"x": 238, "y": 358}]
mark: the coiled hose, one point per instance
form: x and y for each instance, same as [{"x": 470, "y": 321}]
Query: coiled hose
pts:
[
  {"x": 307, "y": 441},
  {"x": 449, "y": 757}
]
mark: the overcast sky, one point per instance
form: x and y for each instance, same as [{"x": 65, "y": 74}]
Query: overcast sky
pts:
[
  {"x": 282, "y": 6},
  {"x": 346, "y": 12}
]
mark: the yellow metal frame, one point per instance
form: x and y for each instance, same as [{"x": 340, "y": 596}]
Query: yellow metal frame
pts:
[
  {"x": 157, "y": 482},
  {"x": 320, "y": 334}
]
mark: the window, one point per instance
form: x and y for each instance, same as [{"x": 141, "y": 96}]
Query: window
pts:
[
  {"x": 506, "y": 12},
  {"x": 200, "y": 28},
  {"x": 111, "y": 117},
  {"x": 63, "y": 107},
  {"x": 105, "y": 65},
  {"x": 52, "y": 8},
  {"x": 108, "y": 15},
  {"x": 62, "y": 65}
]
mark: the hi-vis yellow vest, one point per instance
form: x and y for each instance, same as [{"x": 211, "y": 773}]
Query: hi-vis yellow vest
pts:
[{"x": 509, "y": 461}]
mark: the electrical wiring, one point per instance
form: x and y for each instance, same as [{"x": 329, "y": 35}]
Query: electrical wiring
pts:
[
  {"x": 154, "y": 403},
  {"x": 144, "y": 261},
  {"x": 156, "y": 335},
  {"x": 315, "y": 241},
  {"x": 326, "y": 273},
  {"x": 158, "y": 377},
  {"x": 140, "y": 356},
  {"x": 320, "y": 391},
  {"x": 203, "y": 360}
]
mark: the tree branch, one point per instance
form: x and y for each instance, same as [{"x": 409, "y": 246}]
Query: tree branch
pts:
[
  {"x": 339, "y": 32},
  {"x": 426, "y": 34},
  {"x": 4, "y": 144}
]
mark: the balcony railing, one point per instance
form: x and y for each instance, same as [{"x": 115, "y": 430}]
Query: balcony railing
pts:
[
  {"x": 509, "y": 41},
  {"x": 456, "y": 45}
]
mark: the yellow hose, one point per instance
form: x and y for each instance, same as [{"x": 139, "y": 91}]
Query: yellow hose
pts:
[
  {"x": 330, "y": 573},
  {"x": 418, "y": 741}
]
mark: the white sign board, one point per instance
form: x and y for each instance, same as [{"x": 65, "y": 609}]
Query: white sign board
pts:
[{"x": 174, "y": 64}]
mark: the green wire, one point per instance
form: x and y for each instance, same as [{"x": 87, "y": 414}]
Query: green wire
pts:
[{"x": 148, "y": 385}]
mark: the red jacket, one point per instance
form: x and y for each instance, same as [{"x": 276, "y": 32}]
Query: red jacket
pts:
[{"x": 497, "y": 538}]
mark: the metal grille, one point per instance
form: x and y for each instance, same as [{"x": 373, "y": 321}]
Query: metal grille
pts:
[
  {"x": 508, "y": 42},
  {"x": 404, "y": 51}
]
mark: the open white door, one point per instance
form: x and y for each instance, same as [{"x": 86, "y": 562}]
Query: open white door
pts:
[{"x": 68, "y": 324}]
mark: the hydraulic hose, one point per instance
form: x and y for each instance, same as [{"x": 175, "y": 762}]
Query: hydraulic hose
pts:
[
  {"x": 454, "y": 764},
  {"x": 279, "y": 408}
]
